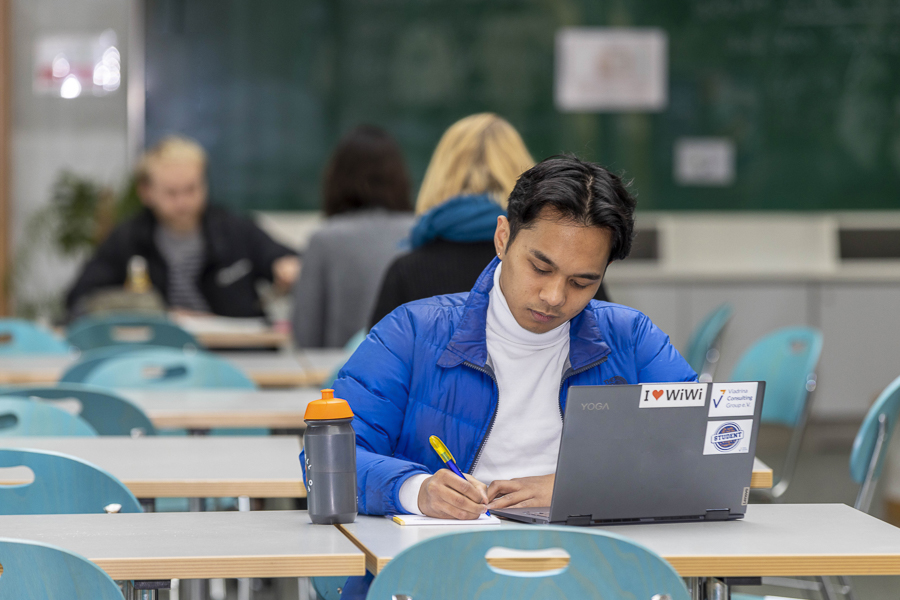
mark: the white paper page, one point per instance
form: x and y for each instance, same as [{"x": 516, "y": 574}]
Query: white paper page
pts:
[{"x": 422, "y": 520}]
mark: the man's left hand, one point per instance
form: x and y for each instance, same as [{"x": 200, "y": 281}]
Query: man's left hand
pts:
[
  {"x": 524, "y": 492},
  {"x": 285, "y": 271}
]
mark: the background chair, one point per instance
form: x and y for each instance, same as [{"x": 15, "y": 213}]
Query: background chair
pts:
[
  {"x": 702, "y": 351},
  {"x": 62, "y": 485},
  {"x": 164, "y": 368},
  {"x": 786, "y": 360},
  {"x": 24, "y": 337},
  {"x": 866, "y": 461},
  {"x": 601, "y": 565},
  {"x": 24, "y": 417},
  {"x": 128, "y": 330},
  {"x": 37, "y": 571},
  {"x": 106, "y": 412}
]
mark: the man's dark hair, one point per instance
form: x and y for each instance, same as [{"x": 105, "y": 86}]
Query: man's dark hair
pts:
[
  {"x": 366, "y": 170},
  {"x": 578, "y": 191}
]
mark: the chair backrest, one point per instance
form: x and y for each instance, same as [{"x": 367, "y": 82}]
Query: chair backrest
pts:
[
  {"x": 601, "y": 565},
  {"x": 37, "y": 571},
  {"x": 864, "y": 445},
  {"x": 18, "y": 336},
  {"x": 167, "y": 368},
  {"x": 706, "y": 337},
  {"x": 62, "y": 484},
  {"x": 784, "y": 359},
  {"x": 23, "y": 417},
  {"x": 89, "y": 360},
  {"x": 106, "y": 412},
  {"x": 128, "y": 330}
]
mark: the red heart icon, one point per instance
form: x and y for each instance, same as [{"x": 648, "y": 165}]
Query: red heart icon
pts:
[{"x": 657, "y": 394}]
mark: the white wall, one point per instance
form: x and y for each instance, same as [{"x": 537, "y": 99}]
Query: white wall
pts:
[{"x": 86, "y": 135}]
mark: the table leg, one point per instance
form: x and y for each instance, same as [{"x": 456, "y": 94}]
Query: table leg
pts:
[
  {"x": 199, "y": 587},
  {"x": 305, "y": 589},
  {"x": 708, "y": 588},
  {"x": 144, "y": 590},
  {"x": 243, "y": 589}
]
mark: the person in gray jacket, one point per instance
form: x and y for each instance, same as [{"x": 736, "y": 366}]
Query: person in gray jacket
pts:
[{"x": 366, "y": 199}]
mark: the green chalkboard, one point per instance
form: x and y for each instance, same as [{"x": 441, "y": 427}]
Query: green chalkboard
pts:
[{"x": 808, "y": 91}]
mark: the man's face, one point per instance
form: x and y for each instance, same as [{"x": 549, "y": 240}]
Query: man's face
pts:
[
  {"x": 551, "y": 270},
  {"x": 176, "y": 193}
]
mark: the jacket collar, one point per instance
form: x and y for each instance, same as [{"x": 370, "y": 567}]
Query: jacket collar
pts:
[{"x": 469, "y": 341}]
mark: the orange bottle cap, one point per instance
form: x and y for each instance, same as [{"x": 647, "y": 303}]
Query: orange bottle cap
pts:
[{"x": 327, "y": 407}]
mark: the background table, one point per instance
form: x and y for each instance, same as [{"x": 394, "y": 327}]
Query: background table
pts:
[
  {"x": 267, "y": 369},
  {"x": 202, "y": 545},
  {"x": 207, "y": 409},
  {"x": 772, "y": 540},
  {"x": 183, "y": 467}
]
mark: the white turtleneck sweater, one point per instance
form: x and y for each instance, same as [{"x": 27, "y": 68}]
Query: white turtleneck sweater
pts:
[{"x": 524, "y": 440}]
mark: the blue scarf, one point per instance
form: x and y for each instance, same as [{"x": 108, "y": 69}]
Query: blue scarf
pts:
[{"x": 460, "y": 219}]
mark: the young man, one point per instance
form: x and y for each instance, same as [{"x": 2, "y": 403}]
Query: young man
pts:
[
  {"x": 201, "y": 258},
  {"x": 488, "y": 371}
]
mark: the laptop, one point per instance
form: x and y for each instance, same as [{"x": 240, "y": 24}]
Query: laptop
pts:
[{"x": 668, "y": 452}]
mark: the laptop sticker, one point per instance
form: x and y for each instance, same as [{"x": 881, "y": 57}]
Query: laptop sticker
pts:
[
  {"x": 728, "y": 437},
  {"x": 673, "y": 395},
  {"x": 732, "y": 399}
]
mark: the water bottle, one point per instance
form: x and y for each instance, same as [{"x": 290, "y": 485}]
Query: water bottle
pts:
[{"x": 330, "y": 450}]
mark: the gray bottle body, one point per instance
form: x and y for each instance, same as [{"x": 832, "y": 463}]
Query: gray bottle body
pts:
[{"x": 330, "y": 451}]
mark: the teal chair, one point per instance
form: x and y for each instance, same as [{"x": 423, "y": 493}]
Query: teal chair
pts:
[
  {"x": 702, "y": 351},
  {"x": 106, "y": 412},
  {"x": 128, "y": 330},
  {"x": 38, "y": 571},
  {"x": 62, "y": 485},
  {"x": 866, "y": 462},
  {"x": 18, "y": 336},
  {"x": 786, "y": 360},
  {"x": 166, "y": 368},
  {"x": 601, "y": 565},
  {"x": 90, "y": 359},
  {"x": 23, "y": 417}
]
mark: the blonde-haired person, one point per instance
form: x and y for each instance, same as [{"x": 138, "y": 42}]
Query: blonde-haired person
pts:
[
  {"x": 200, "y": 257},
  {"x": 466, "y": 187}
]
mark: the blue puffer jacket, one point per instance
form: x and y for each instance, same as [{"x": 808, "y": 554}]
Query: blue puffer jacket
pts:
[{"x": 423, "y": 371}]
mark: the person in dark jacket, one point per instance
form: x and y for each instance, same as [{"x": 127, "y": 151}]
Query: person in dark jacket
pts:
[
  {"x": 201, "y": 258},
  {"x": 471, "y": 173}
]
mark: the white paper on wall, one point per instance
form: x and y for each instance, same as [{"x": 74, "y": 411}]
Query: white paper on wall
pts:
[
  {"x": 704, "y": 161},
  {"x": 611, "y": 69}
]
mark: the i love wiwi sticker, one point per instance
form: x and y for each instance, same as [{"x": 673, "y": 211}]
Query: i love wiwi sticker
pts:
[{"x": 673, "y": 395}]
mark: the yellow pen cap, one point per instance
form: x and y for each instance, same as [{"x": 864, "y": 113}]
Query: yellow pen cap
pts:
[{"x": 441, "y": 449}]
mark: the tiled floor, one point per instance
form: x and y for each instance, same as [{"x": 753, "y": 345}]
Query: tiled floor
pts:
[{"x": 822, "y": 476}]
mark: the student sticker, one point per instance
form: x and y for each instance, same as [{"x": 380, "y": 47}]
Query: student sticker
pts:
[
  {"x": 673, "y": 395},
  {"x": 728, "y": 437},
  {"x": 732, "y": 399}
]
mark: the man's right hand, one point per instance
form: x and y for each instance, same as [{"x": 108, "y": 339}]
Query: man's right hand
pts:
[{"x": 446, "y": 496}]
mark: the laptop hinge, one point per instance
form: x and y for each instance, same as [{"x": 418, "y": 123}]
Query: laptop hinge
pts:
[
  {"x": 579, "y": 520},
  {"x": 718, "y": 514}
]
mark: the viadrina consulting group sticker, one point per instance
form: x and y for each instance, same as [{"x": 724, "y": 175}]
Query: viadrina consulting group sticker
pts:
[
  {"x": 728, "y": 437},
  {"x": 732, "y": 399}
]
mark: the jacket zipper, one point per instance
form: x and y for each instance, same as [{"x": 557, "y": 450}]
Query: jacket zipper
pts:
[
  {"x": 493, "y": 416},
  {"x": 572, "y": 374},
  {"x": 496, "y": 408}
]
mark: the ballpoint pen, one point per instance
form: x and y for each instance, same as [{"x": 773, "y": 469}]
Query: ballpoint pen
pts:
[{"x": 448, "y": 459}]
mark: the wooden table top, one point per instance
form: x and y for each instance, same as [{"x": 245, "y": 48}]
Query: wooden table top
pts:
[
  {"x": 266, "y": 369},
  {"x": 197, "y": 545},
  {"x": 207, "y": 409},
  {"x": 772, "y": 540},
  {"x": 179, "y": 467}
]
